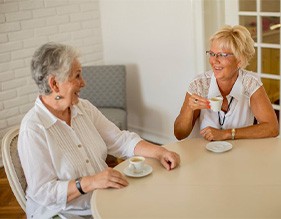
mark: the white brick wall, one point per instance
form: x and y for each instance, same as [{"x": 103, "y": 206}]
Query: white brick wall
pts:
[{"x": 24, "y": 26}]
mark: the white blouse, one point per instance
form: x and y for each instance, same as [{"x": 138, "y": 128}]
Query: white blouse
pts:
[
  {"x": 53, "y": 153},
  {"x": 240, "y": 113}
]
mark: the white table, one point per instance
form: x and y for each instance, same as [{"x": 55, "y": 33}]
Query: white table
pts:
[{"x": 244, "y": 182}]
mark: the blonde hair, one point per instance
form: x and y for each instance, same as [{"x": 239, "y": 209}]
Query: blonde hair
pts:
[{"x": 238, "y": 39}]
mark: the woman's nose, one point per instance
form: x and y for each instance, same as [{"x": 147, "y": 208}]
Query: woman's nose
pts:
[
  {"x": 214, "y": 60},
  {"x": 82, "y": 83}
]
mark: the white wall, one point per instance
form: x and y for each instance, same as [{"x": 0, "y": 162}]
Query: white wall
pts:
[
  {"x": 161, "y": 42},
  {"x": 24, "y": 25},
  {"x": 214, "y": 18}
]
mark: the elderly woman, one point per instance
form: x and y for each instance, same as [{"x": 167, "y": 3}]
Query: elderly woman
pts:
[
  {"x": 64, "y": 140},
  {"x": 244, "y": 97}
]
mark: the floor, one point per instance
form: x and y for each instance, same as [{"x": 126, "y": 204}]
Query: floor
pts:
[{"x": 9, "y": 207}]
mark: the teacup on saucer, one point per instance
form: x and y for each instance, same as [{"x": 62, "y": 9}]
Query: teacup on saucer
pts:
[
  {"x": 136, "y": 164},
  {"x": 147, "y": 169}
]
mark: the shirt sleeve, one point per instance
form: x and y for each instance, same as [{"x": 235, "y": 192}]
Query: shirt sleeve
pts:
[
  {"x": 43, "y": 184},
  {"x": 119, "y": 143},
  {"x": 251, "y": 84}
]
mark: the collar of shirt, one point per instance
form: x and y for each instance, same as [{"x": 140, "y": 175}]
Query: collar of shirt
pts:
[
  {"x": 235, "y": 92},
  {"x": 47, "y": 118}
]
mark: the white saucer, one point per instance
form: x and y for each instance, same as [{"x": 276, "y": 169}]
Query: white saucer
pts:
[
  {"x": 219, "y": 146},
  {"x": 146, "y": 170}
]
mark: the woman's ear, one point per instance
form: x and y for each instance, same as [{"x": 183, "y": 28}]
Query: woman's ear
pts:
[{"x": 53, "y": 84}]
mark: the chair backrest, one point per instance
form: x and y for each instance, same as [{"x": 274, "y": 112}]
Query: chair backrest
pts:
[
  {"x": 12, "y": 165},
  {"x": 105, "y": 85}
]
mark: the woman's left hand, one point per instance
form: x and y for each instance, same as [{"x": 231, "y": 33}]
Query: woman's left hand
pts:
[
  {"x": 169, "y": 159},
  {"x": 213, "y": 134}
]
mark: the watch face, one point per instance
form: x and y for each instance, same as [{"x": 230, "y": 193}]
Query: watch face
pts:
[
  {"x": 233, "y": 134},
  {"x": 78, "y": 186}
]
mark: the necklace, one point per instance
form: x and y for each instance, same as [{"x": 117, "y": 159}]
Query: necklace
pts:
[{"x": 219, "y": 115}]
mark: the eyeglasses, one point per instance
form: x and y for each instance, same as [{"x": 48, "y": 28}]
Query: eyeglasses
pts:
[{"x": 219, "y": 55}]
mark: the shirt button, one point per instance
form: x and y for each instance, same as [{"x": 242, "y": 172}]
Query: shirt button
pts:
[
  {"x": 87, "y": 161},
  {"x": 79, "y": 145}
]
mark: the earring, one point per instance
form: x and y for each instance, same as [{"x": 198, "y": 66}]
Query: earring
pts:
[{"x": 58, "y": 97}]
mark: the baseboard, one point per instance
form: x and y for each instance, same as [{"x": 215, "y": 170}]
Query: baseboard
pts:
[{"x": 150, "y": 135}]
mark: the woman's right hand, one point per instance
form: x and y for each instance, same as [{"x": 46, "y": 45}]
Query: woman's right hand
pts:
[
  {"x": 109, "y": 178},
  {"x": 197, "y": 102},
  {"x": 188, "y": 115}
]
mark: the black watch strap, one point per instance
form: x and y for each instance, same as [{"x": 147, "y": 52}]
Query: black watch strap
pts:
[{"x": 78, "y": 185}]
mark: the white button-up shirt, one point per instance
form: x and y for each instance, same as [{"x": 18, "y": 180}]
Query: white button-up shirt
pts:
[
  {"x": 53, "y": 153},
  {"x": 239, "y": 114}
]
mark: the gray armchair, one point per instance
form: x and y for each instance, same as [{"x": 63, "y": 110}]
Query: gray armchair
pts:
[{"x": 106, "y": 89}]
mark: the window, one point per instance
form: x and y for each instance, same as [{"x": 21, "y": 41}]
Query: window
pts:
[{"x": 262, "y": 19}]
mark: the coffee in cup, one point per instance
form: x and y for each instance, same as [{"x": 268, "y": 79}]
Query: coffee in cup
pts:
[
  {"x": 215, "y": 103},
  {"x": 136, "y": 164}
]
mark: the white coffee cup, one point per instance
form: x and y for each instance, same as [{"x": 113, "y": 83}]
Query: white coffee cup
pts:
[
  {"x": 136, "y": 164},
  {"x": 215, "y": 103}
]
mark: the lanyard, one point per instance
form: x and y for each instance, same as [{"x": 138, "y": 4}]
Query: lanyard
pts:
[{"x": 222, "y": 122}]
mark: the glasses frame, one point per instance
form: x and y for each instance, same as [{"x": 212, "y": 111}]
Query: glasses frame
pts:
[{"x": 219, "y": 54}]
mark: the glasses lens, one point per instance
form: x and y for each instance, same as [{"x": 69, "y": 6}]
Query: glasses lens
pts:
[
  {"x": 218, "y": 55},
  {"x": 223, "y": 55},
  {"x": 211, "y": 54}
]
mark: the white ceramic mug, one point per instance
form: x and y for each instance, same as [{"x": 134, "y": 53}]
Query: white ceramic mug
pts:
[
  {"x": 215, "y": 103},
  {"x": 136, "y": 164}
]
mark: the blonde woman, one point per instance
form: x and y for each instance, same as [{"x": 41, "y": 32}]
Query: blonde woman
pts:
[{"x": 244, "y": 97}]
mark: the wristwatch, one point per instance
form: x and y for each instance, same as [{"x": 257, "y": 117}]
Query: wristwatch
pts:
[
  {"x": 78, "y": 185},
  {"x": 232, "y": 134}
]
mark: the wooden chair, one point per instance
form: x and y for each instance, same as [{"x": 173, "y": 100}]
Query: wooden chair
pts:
[{"x": 12, "y": 165}]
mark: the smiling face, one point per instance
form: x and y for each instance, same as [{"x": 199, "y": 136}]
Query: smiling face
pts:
[
  {"x": 224, "y": 68},
  {"x": 70, "y": 88}
]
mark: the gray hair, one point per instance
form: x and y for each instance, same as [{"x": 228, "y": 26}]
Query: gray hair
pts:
[
  {"x": 238, "y": 39},
  {"x": 52, "y": 59}
]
